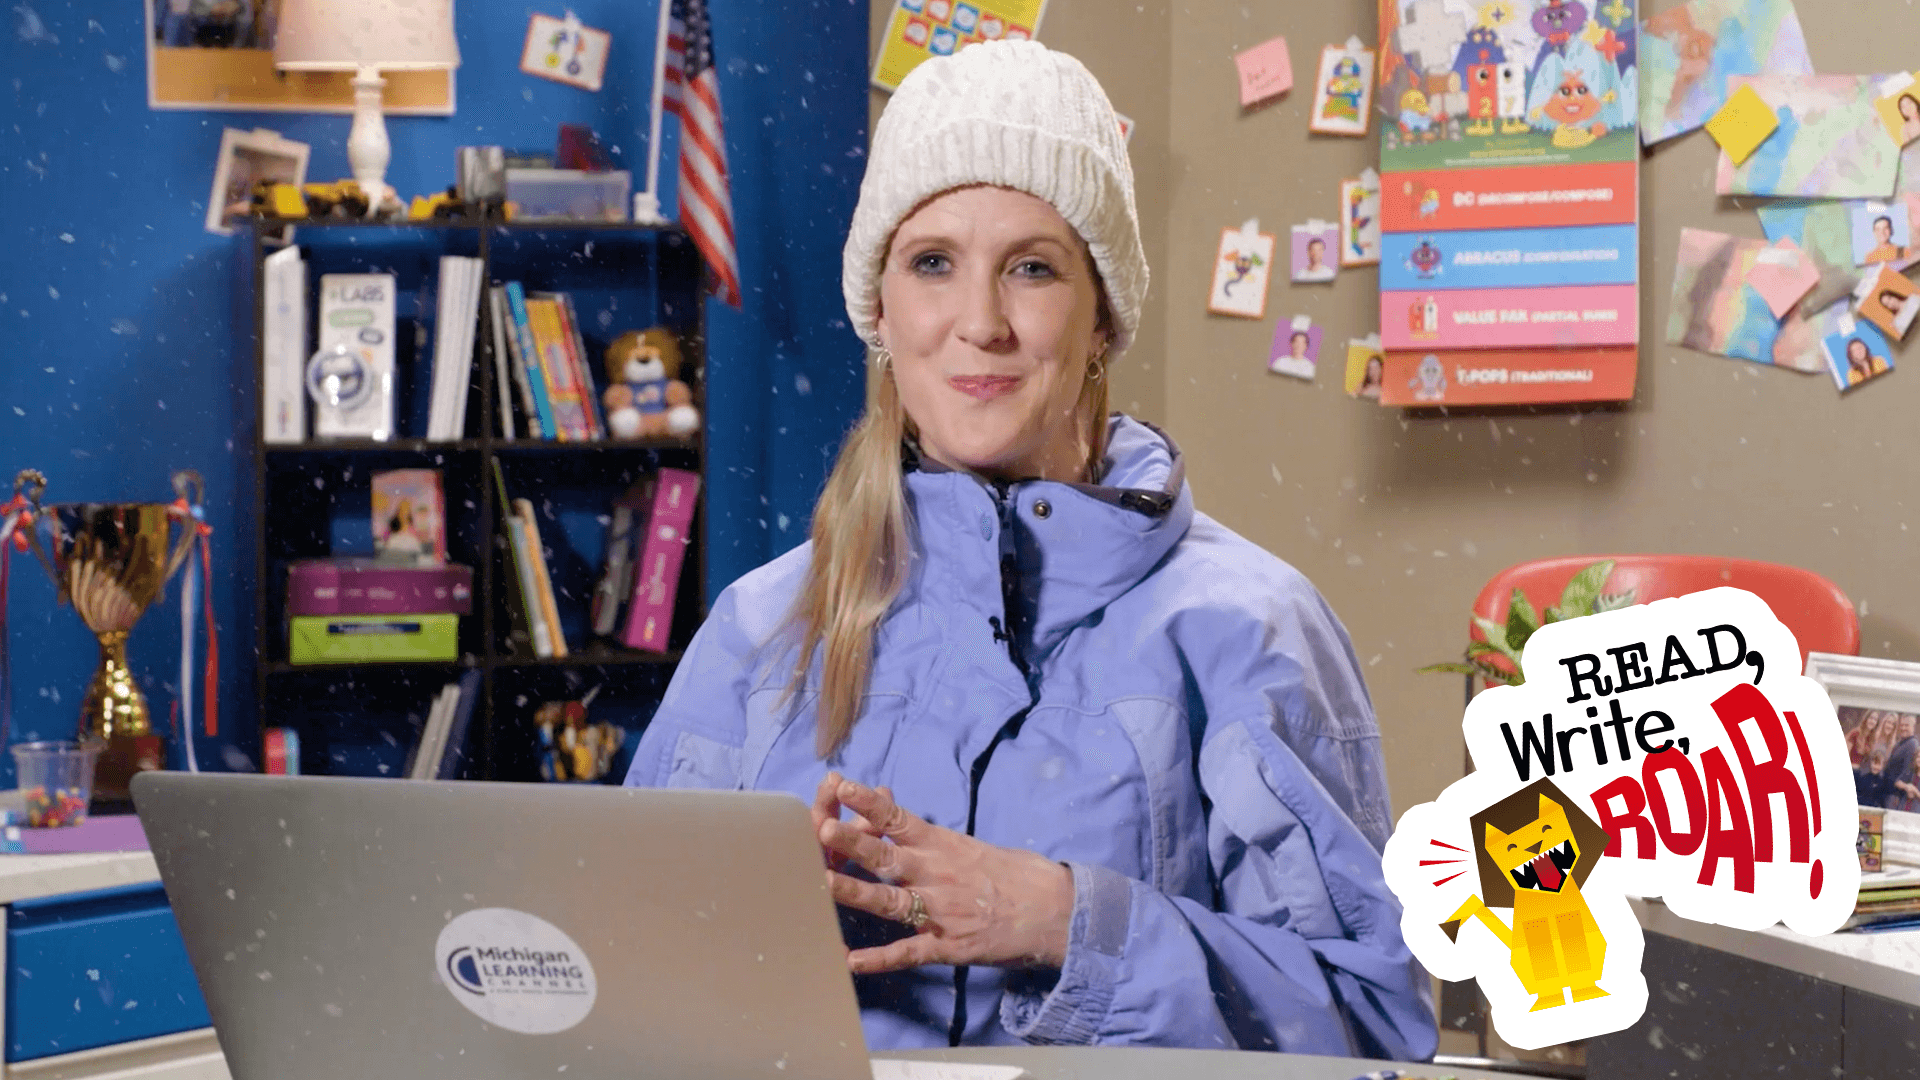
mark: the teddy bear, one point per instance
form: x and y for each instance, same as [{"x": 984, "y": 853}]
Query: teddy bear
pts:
[{"x": 644, "y": 398}]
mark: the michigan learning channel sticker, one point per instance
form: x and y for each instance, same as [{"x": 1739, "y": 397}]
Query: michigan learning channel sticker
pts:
[
  {"x": 1672, "y": 749},
  {"x": 516, "y": 971}
]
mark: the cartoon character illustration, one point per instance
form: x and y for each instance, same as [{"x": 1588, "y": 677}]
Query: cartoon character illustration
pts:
[
  {"x": 1244, "y": 263},
  {"x": 1426, "y": 260},
  {"x": 1576, "y": 96},
  {"x": 1430, "y": 203},
  {"x": 1414, "y": 118},
  {"x": 1344, "y": 91},
  {"x": 1511, "y": 98},
  {"x": 1536, "y": 849},
  {"x": 1476, "y": 66},
  {"x": 1423, "y": 318},
  {"x": 1557, "y": 21},
  {"x": 1430, "y": 384}
]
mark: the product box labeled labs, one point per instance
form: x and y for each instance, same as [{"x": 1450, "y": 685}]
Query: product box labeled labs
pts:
[{"x": 351, "y": 376}]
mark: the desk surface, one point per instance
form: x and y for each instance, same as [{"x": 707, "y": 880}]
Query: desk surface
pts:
[
  {"x": 1886, "y": 964},
  {"x": 27, "y": 877},
  {"x": 1133, "y": 1063}
]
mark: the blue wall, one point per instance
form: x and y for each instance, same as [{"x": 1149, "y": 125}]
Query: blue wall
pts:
[{"x": 118, "y": 358}]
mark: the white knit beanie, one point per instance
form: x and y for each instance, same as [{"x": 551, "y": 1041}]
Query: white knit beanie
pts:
[{"x": 1013, "y": 114}]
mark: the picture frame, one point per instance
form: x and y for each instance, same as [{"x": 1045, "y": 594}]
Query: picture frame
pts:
[
  {"x": 1849, "y": 366},
  {"x": 221, "y": 59},
  {"x": 1296, "y": 348},
  {"x": 1360, "y": 221},
  {"x": 245, "y": 158},
  {"x": 1314, "y": 251},
  {"x": 1863, "y": 688},
  {"x": 1343, "y": 91},
  {"x": 565, "y": 51}
]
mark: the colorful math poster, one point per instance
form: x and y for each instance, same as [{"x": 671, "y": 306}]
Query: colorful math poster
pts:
[
  {"x": 1509, "y": 204},
  {"x": 918, "y": 29}
]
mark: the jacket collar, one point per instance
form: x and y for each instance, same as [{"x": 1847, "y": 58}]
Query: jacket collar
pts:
[{"x": 1093, "y": 543}]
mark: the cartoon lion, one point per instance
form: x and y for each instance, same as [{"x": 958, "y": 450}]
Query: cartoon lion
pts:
[{"x": 1537, "y": 848}]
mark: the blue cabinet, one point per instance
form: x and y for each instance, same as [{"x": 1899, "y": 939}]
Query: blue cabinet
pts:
[{"x": 93, "y": 969}]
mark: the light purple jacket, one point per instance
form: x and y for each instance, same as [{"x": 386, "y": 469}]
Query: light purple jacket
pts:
[{"x": 1107, "y": 677}]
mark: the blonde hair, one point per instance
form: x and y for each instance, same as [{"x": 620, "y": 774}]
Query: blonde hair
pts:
[{"x": 862, "y": 549}]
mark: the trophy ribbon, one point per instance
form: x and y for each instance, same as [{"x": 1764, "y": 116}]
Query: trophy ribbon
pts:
[{"x": 192, "y": 515}]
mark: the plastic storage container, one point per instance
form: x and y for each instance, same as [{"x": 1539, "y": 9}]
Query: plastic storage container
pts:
[{"x": 568, "y": 194}]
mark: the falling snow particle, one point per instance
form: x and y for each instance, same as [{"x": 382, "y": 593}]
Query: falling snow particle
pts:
[
  {"x": 66, "y": 237},
  {"x": 53, "y": 292}
]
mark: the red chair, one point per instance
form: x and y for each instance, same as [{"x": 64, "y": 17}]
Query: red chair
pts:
[{"x": 1819, "y": 614}]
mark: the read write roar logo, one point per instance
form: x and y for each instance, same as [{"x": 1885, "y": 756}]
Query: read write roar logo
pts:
[{"x": 1668, "y": 750}]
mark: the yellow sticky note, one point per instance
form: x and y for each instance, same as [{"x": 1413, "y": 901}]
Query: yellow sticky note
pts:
[{"x": 1742, "y": 124}]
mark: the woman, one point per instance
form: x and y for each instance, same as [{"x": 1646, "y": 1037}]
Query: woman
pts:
[
  {"x": 1375, "y": 376},
  {"x": 1087, "y": 767},
  {"x": 1909, "y": 108}
]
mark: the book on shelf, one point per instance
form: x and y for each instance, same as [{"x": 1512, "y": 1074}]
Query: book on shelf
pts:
[
  {"x": 458, "y": 312},
  {"x": 533, "y": 623},
  {"x": 627, "y": 525},
  {"x": 442, "y": 746},
  {"x": 556, "y": 364},
  {"x": 409, "y": 517},
  {"x": 543, "y": 583},
  {"x": 283, "y": 341},
  {"x": 502, "y": 358},
  {"x": 582, "y": 367},
  {"x": 530, "y": 365},
  {"x": 650, "y": 617}
]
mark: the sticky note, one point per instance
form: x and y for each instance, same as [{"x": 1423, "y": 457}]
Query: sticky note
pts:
[
  {"x": 1782, "y": 275},
  {"x": 1265, "y": 70},
  {"x": 1742, "y": 124}
]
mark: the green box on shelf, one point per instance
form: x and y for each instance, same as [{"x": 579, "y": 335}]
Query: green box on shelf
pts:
[{"x": 334, "y": 639}]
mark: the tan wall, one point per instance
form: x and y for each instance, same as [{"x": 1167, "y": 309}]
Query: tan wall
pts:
[{"x": 1401, "y": 518}]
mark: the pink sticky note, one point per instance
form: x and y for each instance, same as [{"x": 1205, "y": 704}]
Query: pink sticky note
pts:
[
  {"x": 1782, "y": 274},
  {"x": 1265, "y": 70}
]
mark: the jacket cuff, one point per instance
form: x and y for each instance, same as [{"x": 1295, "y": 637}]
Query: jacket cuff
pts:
[{"x": 1073, "y": 1010}]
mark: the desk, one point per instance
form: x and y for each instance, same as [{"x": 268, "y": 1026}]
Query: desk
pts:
[
  {"x": 1132, "y": 1063},
  {"x": 191, "y": 1055},
  {"x": 1736, "y": 1003}
]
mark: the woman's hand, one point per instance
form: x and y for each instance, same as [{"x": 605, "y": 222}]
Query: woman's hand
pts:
[{"x": 983, "y": 904}]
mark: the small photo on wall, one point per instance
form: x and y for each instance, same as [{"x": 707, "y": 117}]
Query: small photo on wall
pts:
[
  {"x": 1343, "y": 92},
  {"x": 1890, "y": 302},
  {"x": 1296, "y": 348},
  {"x": 1240, "y": 272},
  {"x": 1882, "y": 232},
  {"x": 1315, "y": 245},
  {"x": 1360, "y": 220},
  {"x": 1900, "y": 108},
  {"x": 249, "y": 158},
  {"x": 1366, "y": 368},
  {"x": 1857, "y": 353}
]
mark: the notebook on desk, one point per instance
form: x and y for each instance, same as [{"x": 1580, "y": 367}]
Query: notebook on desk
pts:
[{"x": 368, "y": 928}]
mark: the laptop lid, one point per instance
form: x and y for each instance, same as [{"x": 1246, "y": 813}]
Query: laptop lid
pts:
[{"x": 414, "y": 929}]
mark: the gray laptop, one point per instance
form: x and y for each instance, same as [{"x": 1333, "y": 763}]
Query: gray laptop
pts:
[{"x": 415, "y": 929}]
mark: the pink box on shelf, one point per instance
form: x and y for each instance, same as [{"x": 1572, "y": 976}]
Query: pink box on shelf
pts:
[
  {"x": 650, "y": 618},
  {"x": 361, "y": 586}
]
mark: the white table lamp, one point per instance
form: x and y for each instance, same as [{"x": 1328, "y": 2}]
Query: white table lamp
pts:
[{"x": 366, "y": 37}]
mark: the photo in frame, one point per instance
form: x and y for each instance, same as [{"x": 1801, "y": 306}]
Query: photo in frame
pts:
[
  {"x": 1856, "y": 352},
  {"x": 1240, "y": 272},
  {"x": 1882, "y": 233},
  {"x": 1899, "y": 107},
  {"x": 1343, "y": 90},
  {"x": 1296, "y": 348},
  {"x": 1314, "y": 251},
  {"x": 218, "y": 55},
  {"x": 1878, "y": 702},
  {"x": 246, "y": 158},
  {"x": 565, "y": 51},
  {"x": 1366, "y": 368},
  {"x": 1890, "y": 301}
]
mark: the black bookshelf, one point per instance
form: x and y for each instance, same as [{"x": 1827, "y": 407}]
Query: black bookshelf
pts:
[{"x": 308, "y": 497}]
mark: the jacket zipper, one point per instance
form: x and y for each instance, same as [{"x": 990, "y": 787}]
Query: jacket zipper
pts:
[{"x": 1007, "y": 632}]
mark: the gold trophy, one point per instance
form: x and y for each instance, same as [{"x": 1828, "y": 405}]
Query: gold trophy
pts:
[{"x": 110, "y": 561}]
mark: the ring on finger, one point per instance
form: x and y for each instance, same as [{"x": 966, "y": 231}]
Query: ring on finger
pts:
[{"x": 916, "y": 916}]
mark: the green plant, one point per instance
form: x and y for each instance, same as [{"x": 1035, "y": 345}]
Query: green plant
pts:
[{"x": 1582, "y": 596}]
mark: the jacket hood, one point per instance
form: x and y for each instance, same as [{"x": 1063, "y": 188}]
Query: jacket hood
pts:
[{"x": 1067, "y": 549}]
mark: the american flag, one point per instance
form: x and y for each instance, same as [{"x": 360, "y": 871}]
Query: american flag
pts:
[{"x": 691, "y": 90}]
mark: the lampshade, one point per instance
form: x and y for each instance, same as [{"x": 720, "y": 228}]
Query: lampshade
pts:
[{"x": 345, "y": 35}]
